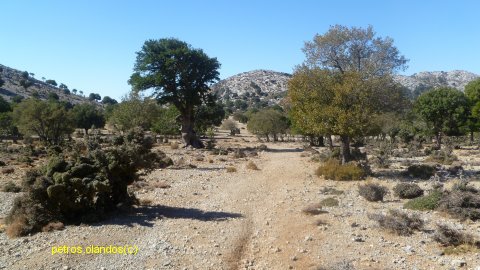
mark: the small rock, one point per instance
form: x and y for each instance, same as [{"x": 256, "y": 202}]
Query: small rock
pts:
[
  {"x": 458, "y": 263},
  {"x": 294, "y": 258}
]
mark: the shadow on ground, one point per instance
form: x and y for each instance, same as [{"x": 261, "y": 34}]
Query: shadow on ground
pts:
[{"x": 146, "y": 215}]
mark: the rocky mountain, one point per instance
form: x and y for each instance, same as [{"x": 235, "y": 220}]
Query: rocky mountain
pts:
[
  {"x": 22, "y": 83},
  {"x": 266, "y": 87},
  {"x": 253, "y": 87},
  {"x": 422, "y": 81}
]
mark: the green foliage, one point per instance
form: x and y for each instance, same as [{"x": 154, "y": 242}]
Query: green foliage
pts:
[
  {"x": 372, "y": 192},
  {"x": 51, "y": 82},
  {"x": 332, "y": 169},
  {"x": 428, "y": 202},
  {"x": 445, "y": 110},
  {"x": 7, "y": 126},
  {"x": 4, "y": 105},
  {"x": 94, "y": 97},
  {"x": 268, "y": 122},
  {"x": 11, "y": 187},
  {"x": 48, "y": 120},
  {"x": 108, "y": 101},
  {"x": 407, "y": 190},
  {"x": 240, "y": 117},
  {"x": 133, "y": 112},
  {"x": 207, "y": 116},
  {"x": 84, "y": 185},
  {"x": 329, "y": 202},
  {"x": 166, "y": 122},
  {"x": 53, "y": 96},
  {"x": 87, "y": 115},
  {"x": 179, "y": 75}
]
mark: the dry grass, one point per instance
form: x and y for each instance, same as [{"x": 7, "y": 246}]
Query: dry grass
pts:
[
  {"x": 210, "y": 160},
  {"x": 16, "y": 227},
  {"x": 399, "y": 222},
  {"x": 333, "y": 170},
  {"x": 174, "y": 145},
  {"x": 461, "y": 249},
  {"x": 146, "y": 201},
  {"x": 372, "y": 192},
  {"x": 53, "y": 226},
  {"x": 231, "y": 169},
  {"x": 252, "y": 166},
  {"x": 329, "y": 202},
  {"x": 451, "y": 237}
]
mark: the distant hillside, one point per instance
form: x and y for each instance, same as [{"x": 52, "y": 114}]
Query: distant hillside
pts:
[
  {"x": 422, "y": 81},
  {"x": 253, "y": 87},
  {"x": 18, "y": 84}
]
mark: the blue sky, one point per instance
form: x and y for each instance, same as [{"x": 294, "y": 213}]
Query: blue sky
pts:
[{"x": 90, "y": 45}]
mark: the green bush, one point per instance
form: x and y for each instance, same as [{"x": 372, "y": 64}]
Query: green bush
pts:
[
  {"x": 81, "y": 187},
  {"x": 332, "y": 169},
  {"x": 421, "y": 171},
  {"x": 407, "y": 190},
  {"x": 372, "y": 192},
  {"x": 428, "y": 202},
  {"x": 11, "y": 187}
]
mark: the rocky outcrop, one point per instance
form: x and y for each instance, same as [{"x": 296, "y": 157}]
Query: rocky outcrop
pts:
[
  {"x": 257, "y": 85},
  {"x": 421, "y": 81}
]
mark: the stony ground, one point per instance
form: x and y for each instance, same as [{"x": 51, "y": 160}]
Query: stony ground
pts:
[{"x": 208, "y": 218}]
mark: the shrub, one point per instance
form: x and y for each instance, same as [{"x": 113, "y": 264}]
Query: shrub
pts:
[
  {"x": 262, "y": 147},
  {"x": 462, "y": 202},
  {"x": 448, "y": 236},
  {"x": 313, "y": 209},
  {"x": 407, "y": 190},
  {"x": 443, "y": 156},
  {"x": 252, "y": 166},
  {"x": 329, "y": 202},
  {"x": 372, "y": 192},
  {"x": 421, "y": 171},
  {"x": 428, "y": 202},
  {"x": 81, "y": 187},
  {"x": 11, "y": 187},
  {"x": 7, "y": 170},
  {"x": 239, "y": 153},
  {"x": 333, "y": 170},
  {"x": 231, "y": 169},
  {"x": 399, "y": 222}
]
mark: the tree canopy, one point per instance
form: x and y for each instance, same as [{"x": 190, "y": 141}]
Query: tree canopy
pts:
[
  {"x": 178, "y": 74},
  {"x": 444, "y": 110},
  {"x": 87, "y": 116}
]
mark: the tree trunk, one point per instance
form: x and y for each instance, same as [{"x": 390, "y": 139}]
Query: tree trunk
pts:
[
  {"x": 345, "y": 144},
  {"x": 321, "y": 142},
  {"x": 438, "y": 137},
  {"x": 330, "y": 142},
  {"x": 86, "y": 131},
  {"x": 471, "y": 137},
  {"x": 268, "y": 139},
  {"x": 189, "y": 136}
]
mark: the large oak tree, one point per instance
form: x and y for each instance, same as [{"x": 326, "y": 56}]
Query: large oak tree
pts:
[
  {"x": 344, "y": 83},
  {"x": 178, "y": 74}
]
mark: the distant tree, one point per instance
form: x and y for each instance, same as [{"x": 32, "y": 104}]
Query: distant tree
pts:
[
  {"x": 51, "y": 82},
  {"x": 240, "y": 117},
  {"x": 1, "y": 80},
  {"x": 208, "y": 116},
  {"x": 43, "y": 79},
  {"x": 74, "y": 91},
  {"x": 63, "y": 86},
  {"x": 66, "y": 91},
  {"x": 25, "y": 83},
  {"x": 472, "y": 92},
  {"x": 53, "y": 96},
  {"x": 230, "y": 126},
  {"x": 133, "y": 112},
  {"x": 87, "y": 116},
  {"x": 31, "y": 74},
  {"x": 179, "y": 75},
  {"x": 166, "y": 123},
  {"x": 444, "y": 110},
  {"x": 48, "y": 120},
  {"x": 108, "y": 100},
  {"x": 4, "y": 105},
  {"x": 81, "y": 92},
  {"x": 268, "y": 123},
  {"x": 17, "y": 99},
  {"x": 7, "y": 127},
  {"x": 25, "y": 75},
  {"x": 94, "y": 97}
]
